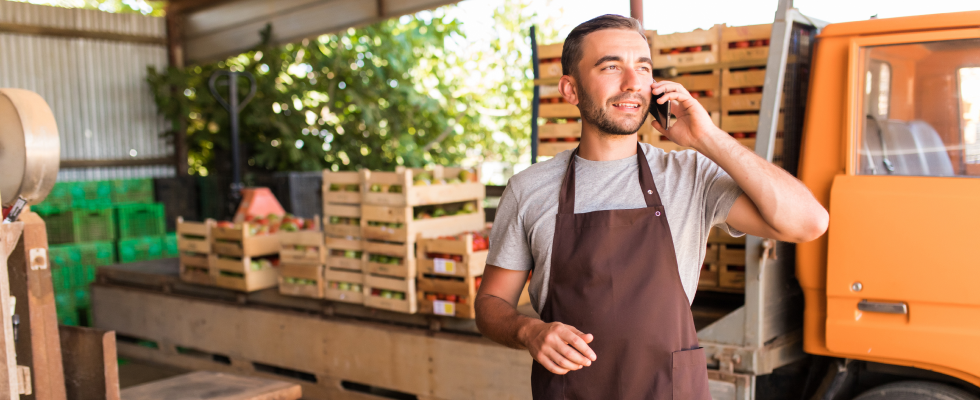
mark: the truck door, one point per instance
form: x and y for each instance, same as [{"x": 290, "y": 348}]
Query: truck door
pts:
[{"x": 904, "y": 239}]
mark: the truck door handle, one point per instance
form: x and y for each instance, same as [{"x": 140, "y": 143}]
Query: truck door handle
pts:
[{"x": 885, "y": 308}]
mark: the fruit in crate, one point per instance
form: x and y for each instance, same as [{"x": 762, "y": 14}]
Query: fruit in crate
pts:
[
  {"x": 438, "y": 212},
  {"x": 422, "y": 179}
]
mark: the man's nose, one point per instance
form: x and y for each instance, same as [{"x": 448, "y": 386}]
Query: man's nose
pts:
[{"x": 632, "y": 81}]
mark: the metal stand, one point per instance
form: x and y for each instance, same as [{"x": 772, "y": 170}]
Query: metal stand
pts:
[
  {"x": 536, "y": 101},
  {"x": 234, "y": 107}
]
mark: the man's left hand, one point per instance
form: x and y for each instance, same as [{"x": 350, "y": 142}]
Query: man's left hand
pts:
[{"x": 692, "y": 122}]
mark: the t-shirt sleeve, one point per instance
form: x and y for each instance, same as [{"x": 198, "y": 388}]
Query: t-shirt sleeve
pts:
[
  {"x": 509, "y": 247},
  {"x": 720, "y": 192}
]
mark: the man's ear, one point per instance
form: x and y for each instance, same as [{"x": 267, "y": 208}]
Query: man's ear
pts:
[{"x": 568, "y": 89}]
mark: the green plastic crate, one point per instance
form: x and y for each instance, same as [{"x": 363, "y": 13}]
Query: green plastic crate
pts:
[
  {"x": 59, "y": 224},
  {"x": 83, "y": 297},
  {"x": 59, "y": 198},
  {"x": 88, "y": 194},
  {"x": 62, "y": 279},
  {"x": 94, "y": 224},
  {"x": 97, "y": 254},
  {"x": 170, "y": 246},
  {"x": 84, "y": 276},
  {"x": 141, "y": 220},
  {"x": 66, "y": 309},
  {"x": 140, "y": 249},
  {"x": 60, "y": 256},
  {"x": 132, "y": 191}
]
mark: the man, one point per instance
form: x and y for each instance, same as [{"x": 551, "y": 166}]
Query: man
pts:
[{"x": 616, "y": 233}]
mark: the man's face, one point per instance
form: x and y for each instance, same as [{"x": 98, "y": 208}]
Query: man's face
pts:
[{"x": 613, "y": 81}]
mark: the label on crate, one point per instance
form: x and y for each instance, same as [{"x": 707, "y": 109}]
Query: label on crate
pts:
[
  {"x": 444, "y": 266},
  {"x": 442, "y": 307}
]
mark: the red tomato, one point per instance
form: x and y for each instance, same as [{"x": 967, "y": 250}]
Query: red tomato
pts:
[
  {"x": 757, "y": 43},
  {"x": 735, "y": 91},
  {"x": 742, "y": 45},
  {"x": 694, "y": 49},
  {"x": 451, "y": 297},
  {"x": 695, "y": 95},
  {"x": 738, "y": 135},
  {"x": 569, "y": 139},
  {"x": 709, "y": 93}
]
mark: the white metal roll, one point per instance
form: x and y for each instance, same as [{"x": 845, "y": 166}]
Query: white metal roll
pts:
[{"x": 29, "y": 147}]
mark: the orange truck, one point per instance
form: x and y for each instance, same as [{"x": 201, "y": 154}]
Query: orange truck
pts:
[{"x": 882, "y": 123}]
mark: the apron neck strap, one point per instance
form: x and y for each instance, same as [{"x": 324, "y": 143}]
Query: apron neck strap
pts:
[{"x": 566, "y": 198}]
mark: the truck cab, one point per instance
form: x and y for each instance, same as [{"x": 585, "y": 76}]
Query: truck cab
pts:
[{"x": 890, "y": 146}]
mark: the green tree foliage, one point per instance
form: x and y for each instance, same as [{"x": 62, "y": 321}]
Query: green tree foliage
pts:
[{"x": 408, "y": 91}]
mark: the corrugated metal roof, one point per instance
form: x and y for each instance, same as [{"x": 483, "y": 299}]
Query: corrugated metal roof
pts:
[{"x": 96, "y": 88}]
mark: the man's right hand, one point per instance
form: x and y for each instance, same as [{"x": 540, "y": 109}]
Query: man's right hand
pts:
[{"x": 558, "y": 347}]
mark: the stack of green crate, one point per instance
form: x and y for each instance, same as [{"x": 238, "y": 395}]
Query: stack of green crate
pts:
[
  {"x": 96, "y": 223},
  {"x": 72, "y": 271}
]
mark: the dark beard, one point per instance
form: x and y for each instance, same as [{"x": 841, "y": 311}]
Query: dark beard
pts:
[{"x": 594, "y": 114}]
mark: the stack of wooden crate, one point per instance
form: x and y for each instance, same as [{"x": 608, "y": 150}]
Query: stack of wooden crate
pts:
[
  {"x": 302, "y": 257},
  {"x": 724, "y": 263},
  {"x": 242, "y": 259},
  {"x": 343, "y": 273},
  {"x": 397, "y": 208},
  {"x": 449, "y": 274},
  {"x": 194, "y": 245}
]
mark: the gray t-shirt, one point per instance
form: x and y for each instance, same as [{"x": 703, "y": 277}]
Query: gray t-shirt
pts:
[{"x": 697, "y": 194}]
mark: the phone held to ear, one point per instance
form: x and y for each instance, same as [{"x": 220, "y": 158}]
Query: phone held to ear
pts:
[{"x": 661, "y": 112}]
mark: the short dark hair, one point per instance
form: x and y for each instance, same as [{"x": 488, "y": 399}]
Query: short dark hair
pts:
[{"x": 571, "y": 51}]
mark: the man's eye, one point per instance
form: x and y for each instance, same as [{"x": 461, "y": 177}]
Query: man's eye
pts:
[{"x": 609, "y": 67}]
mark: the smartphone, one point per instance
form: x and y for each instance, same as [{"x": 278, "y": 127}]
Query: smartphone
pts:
[{"x": 661, "y": 112}]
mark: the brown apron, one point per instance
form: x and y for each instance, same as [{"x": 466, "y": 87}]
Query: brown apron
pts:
[{"x": 614, "y": 275}]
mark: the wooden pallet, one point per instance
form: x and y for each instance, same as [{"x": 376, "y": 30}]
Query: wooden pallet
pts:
[
  {"x": 685, "y": 49},
  {"x": 312, "y": 275},
  {"x": 745, "y": 43},
  {"x": 419, "y": 195},
  {"x": 194, "y": 245}
]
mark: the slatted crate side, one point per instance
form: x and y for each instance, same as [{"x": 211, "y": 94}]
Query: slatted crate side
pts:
[
  {"x": 559, "y": 110},
  {"x": 549, "y": 92},
  {"x": 352, "y": 292},
  {"x": 192, "y": 271},
  {"x": 709, "y": 270},
  {"x": 731, "y": 266},
  {"x": 471, "y": 263},
  {"x": 238, "y": 242},
  {"x": 685, "y": 49},
  {"x": 194, "y": 237},
  {"x": 550, "y": 68},
  {"x": 550, "y": 51},
  {"x": 419, "y": 195},
  {"x": 336, "y": 185},
  {"x": 302, "y": 280},
  {"x": 236, "y": 274},
  {"x": 572, "y": 129},
  {"x": 463, "y": 289},
  {"x": 407, "y": 228},
  {"x": 745, "y": 43},
  {"x": 746, "y": 122},
  {"x": 302, "y": 247},
  {"x": 400, "y": 258},
  {"x": 552, "y": 149},
  {"x": 350, "y": 247},
  {"x": 407, "y": 304},
  {"x": 705, "y": 86},
  {"x": 93, "y": 224},
  {"x": 342, "y": 220}
]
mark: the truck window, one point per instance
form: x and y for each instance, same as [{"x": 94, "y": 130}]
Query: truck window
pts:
[{"x": 920, "y": 109}]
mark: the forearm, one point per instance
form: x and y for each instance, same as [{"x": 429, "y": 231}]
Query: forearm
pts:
[
  {"x": 784, "y": 202},
  {"x": 499, "y": 321}
]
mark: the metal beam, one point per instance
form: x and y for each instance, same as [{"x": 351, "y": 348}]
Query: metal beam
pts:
[{"x": 231, "y": 28}]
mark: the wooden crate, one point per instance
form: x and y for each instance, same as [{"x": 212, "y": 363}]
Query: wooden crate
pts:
[
  {"x": 550, "y": 51},
  {"x": 352, "y": 294},
  {"x": 237, "y": 241},
  {"x": 706, "y": 85},
  {"x": 551, "y": 130},
  {"x": 307, "y": 272},
  {"x": 234, "y": 273},
  {"x": 745, "y": 44},
  {"x": 550, "y": 68},
  {"x": 731, "y": 266},
  {"x": 302, "y": 247},
  {"x": 194, "y": 245},
  {"x": 336, "y": 185},
  {"x": 552, "y": 149},
  {"x": 464, "y": 288},
  {"x": 731, "y": 122},
  {"x": 685, "y": 49},
  {"x": 336, "y": 261},
  {"x": 708, "y": 279},
  {"x": 558, "y": 110},
  {"x": 462, "y": 261},
  {"x": 407, "y": 228},
  {"x": 403, "y": 252},
  {"x": 342, "y": 220},
  {"x": 418, "y": 195},
  {"x": 408, "y": 304}
]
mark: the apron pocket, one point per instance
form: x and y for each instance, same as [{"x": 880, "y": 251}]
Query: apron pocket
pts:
[{"x": 689, "y": 375}]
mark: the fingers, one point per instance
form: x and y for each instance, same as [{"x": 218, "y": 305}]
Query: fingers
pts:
[
  {"x": 551, "y": 366},
  {"x": 578, "y": 346},
  {"x": 556, "y": 356}
]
